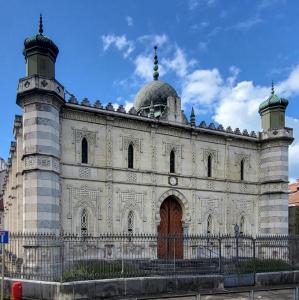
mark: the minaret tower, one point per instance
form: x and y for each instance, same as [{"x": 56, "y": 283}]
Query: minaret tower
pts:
[
  {"x": 41, "y": 98},
  {"x": 275, "y": 141}
]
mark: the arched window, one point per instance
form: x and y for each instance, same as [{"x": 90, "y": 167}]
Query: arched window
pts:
[
  {"x": 209, "y": 224},
  {"x": 210, "y": 165},
  {"x": 84, "y": 222},
  {"x": 130, "y": 156},
  {"x": 172, "y": 162},
  {"x": 242, "y": 225},
  {"x": 130, "y": 222},
  {"x": 84, "y": 151},
  {"x": 242, "y": 170}
]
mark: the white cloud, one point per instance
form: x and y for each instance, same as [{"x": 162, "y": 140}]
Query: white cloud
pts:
[
  {"x": 247, "y": 24},
  {"x": 178, "y": 63},
  {"x": 201, "y": 87},
  {"x": 200, "y": 3},
  {"x": 120, "y": 42},
  {"x": 129, "y": 20},
  {"x": 128, "y": 105},
  {"x": 294, "y": 148},
  {"x": 144, "y": 67},
  {"x": 153, "y": 39},
  {"x": 290, "y": 86}
]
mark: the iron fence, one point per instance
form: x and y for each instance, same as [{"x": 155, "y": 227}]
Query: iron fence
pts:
[{"x": 70, "y": 257}]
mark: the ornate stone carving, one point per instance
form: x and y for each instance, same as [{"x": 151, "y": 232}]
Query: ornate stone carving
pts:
[
  {"x": 84, "y": 197},
  {"x": 91, "y": 137},
  {"x": 79, "y": 134},
  {"x": 137, "y": 145},
  {"x": 212, "y": 206},
  {"x": 84, "y": 172},
  {"x": 242, "y": 156},
  {"x": 108, "y": 146},
  {"x": 131, "y": 177},
  {"x": 127, "y": 140},
  {"x": 210, "y": 185},
  {"x": 131, "y": 200},
  {"x": 109, "y": 193},
  {"x": 183, "y": 200},
  {"x": 207, "y": 152},
  {"x": 42, "y": 162},
  {"x": 168, "y": 147}
]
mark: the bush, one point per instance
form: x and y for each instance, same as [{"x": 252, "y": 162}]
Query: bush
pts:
[
  {"x": 264, "y": 265},
  {"x": 97, "y": 270}
]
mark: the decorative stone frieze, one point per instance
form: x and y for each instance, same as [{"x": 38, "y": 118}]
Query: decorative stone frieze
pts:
[{"x": 42, "y": 163}]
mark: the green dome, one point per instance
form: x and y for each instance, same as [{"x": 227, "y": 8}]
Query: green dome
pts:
[
  {"x": 156, "y": 91},
  {"x": 273, "y": 100},
  {"x": 42, "y": 42}
]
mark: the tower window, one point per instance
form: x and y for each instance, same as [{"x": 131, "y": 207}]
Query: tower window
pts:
[
  {"x": 242, "y": 170},
  {"x": 210, "y": 166},
  {"x": 172, "y": 162},
  {"x": 84, "y": 222},
  {"x": 130, "y": 156},
  {"x": 130, "y": 222},
  {"x": 209, "y": 224},
  {"x": 84, "y": 151}
]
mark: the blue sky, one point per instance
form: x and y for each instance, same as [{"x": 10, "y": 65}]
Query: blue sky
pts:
[{"x": 221, "y": 56}]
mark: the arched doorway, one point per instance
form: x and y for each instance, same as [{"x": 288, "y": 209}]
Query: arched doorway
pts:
[{"x": 170, "y": 225}]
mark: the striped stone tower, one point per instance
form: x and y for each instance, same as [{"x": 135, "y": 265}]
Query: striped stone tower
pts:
[
  {"x": 41, "y": 97},
  {"x": 276, "y": 138}
]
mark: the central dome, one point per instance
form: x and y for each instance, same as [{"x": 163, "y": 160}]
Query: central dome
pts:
[{"x": 157, "y": 91}]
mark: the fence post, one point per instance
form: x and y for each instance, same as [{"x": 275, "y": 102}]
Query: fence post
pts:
[
  {"x": 61, "y": 242},
  {"x": 174, "y": 253},
  {"x": 254, "y": 260},
  {"x": 122, "y": 256},
  {"x": 220, "y": 261}
]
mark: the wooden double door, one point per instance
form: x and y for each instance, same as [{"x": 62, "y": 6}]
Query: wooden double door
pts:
[{"x": 170, "y": 230}]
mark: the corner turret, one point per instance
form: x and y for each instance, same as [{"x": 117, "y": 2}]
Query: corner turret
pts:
[
  {"x": 40, "y": 54},
  {"x": 272, "y": 112}
]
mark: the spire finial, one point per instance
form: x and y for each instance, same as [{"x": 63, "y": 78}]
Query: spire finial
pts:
[
  {"x": 40, "y": 30},
  {"x": 272, "y": 88},
  {"x": 192, "y": 118},
  {"x": 156, "y": 67}
]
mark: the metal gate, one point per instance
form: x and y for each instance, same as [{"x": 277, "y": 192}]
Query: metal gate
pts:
[{"x": 238, "y": 260}]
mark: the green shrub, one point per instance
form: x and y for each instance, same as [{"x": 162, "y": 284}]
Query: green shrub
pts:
[
  {"x": 263, "y": 265},
  {"x": 97, "y": 270}
]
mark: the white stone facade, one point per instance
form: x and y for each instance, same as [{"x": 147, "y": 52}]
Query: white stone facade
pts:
[{"x": 48, "y": 186}]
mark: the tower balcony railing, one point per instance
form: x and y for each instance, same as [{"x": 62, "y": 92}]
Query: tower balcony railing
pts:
[{"x": 42, "y": 83}]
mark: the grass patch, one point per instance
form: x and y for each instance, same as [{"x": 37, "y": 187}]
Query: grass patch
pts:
[{"x": 98, "y": 270}]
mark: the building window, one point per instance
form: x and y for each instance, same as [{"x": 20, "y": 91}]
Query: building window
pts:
[
  {"x": 242, "y": 169},
  {"x": 84, "y": 146},
  {"x": 130, "y": 156},
  {"x": 242, "y": 223},
  {"x": 209, "y": 224},
  {"x": 84, "y": 222},
  {"x": 172, "y": 162},
  {"x": 130, "y": 221},
  {"x": 210, "y": 165}
]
